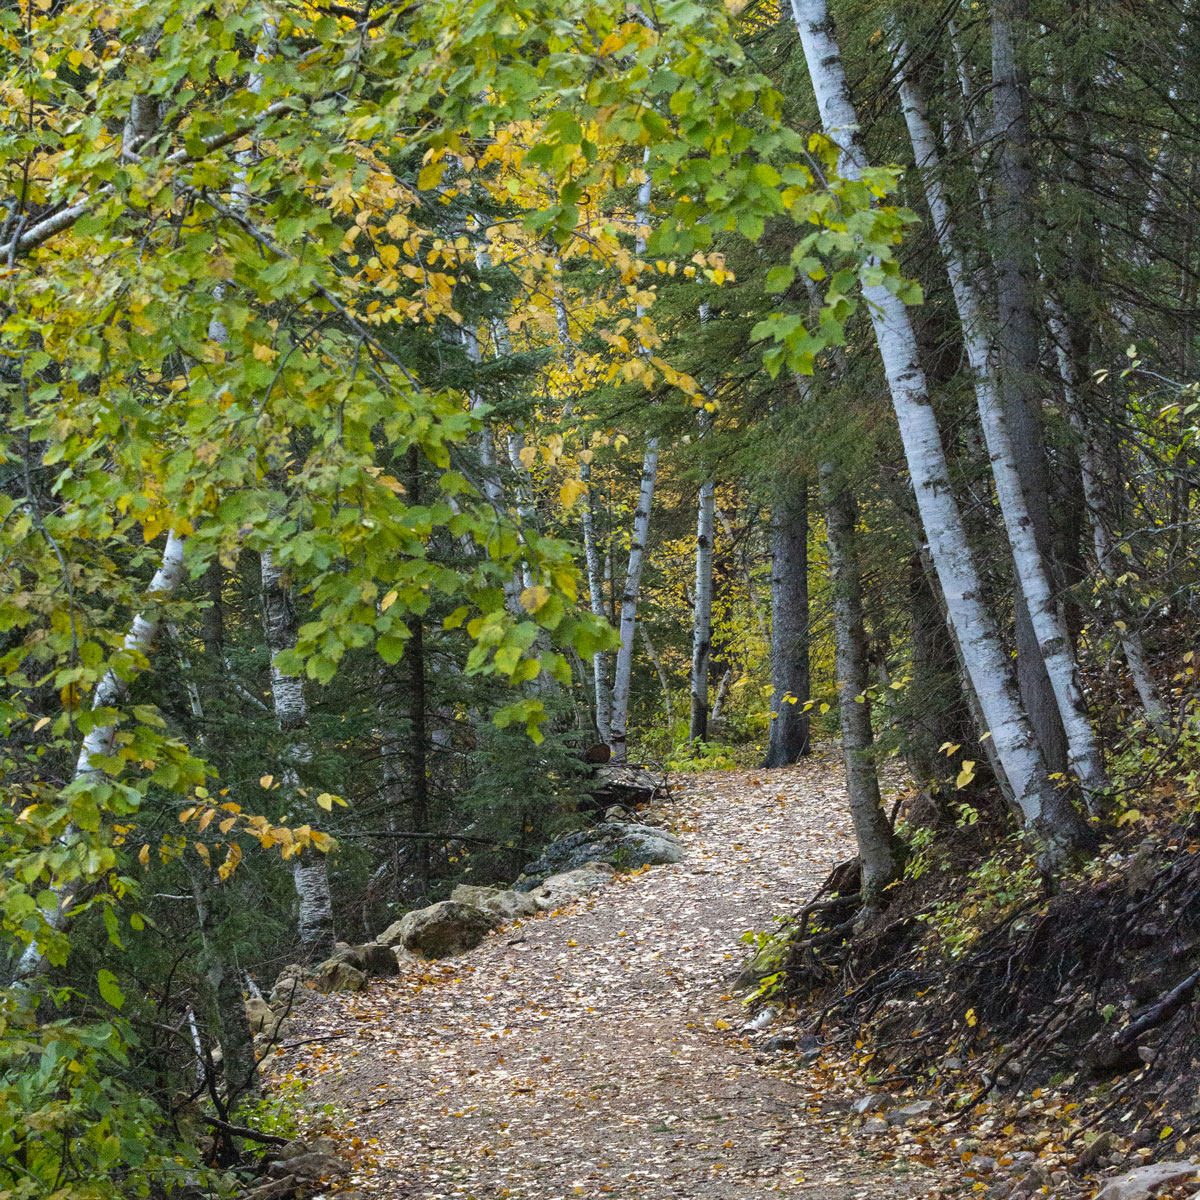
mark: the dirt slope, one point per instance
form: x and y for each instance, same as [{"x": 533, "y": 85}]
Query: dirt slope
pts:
[{"x": 597, "y": 1051}]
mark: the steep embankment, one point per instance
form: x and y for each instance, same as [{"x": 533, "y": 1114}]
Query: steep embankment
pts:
[{"x": 597, "y": 1050}]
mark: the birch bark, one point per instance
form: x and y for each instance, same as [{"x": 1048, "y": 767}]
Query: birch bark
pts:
[
  {"x": 1033, "y": 576},
  {"x": 1046, "y": 811},
  {"x": 637, "y": 547},
  {"x": 99, "y": 742},
  {"x": 310, "y": 872}
]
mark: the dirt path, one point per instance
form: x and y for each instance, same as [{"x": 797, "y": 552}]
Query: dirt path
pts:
[{"x": 597, "y": 1051}]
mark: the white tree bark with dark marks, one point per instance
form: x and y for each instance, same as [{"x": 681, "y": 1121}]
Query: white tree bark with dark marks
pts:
[
  {"x": 1047, "y": 811},
  {"x": 1032, "y": 571},
  {"x": 637, "y": 547},
  {"x": 101, "y": 739},
  {"x": 310, "y": 872}
]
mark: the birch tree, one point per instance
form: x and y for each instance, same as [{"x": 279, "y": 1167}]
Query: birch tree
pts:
[
  {"x": 1046, "y": 810},
  {"x": 1032, "y": 574},
  {"x": 639, "y": 533}
]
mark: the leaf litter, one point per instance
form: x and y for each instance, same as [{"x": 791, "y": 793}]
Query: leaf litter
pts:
[{"x": 598, "y": 1050}]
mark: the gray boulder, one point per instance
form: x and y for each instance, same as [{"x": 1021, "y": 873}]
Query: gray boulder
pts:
[
  {"x": 571, "y": 885},
  {"x": 334, "y": 976},
  {"x": 919, "y": 1110},
  {"x": 624, "y": 845},
  {"x": 500, "y": 904},
  {"x": 371, "y": 958},
  {"x": 1143, "y": 1182},
  {"x": 439, "y": 931}
]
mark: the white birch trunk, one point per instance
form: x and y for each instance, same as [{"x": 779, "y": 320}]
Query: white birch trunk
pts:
[
  {"x": 99, "y": 742},
  {"x": 637, "y": 547},
  {"x": 1033, "y": 576},
  {"x": 1045, "y": 811},
  {"x": 702, "y": 613},
  {"x": 310, "y": 871},
  {"x": 702, "y": 610}
]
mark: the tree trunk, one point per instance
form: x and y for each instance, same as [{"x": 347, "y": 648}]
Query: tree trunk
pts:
[
  {"x": 1016, "y": 360},
  {"x": 641, "y": 532},
  {"x": 1046, "y": 811},
  {"x": 1053, "y": 640},
  {"x": 310, "y": 872},
  {"x": 702, "y": 608},
  {"x": 789, "y": 735},
  {"x": 629, "y": 600},
  {"x": 879, "y": 851}
]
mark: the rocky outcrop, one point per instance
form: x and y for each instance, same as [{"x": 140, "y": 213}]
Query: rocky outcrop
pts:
[
  {"x": 626, "y": 785},
  {"x": 621, "y": 844},
  {"x": 439, "y": 931},
  {"x": 500, "y": 904}
]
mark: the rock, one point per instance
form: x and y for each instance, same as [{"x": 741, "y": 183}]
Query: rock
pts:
[
  {"x": 916, "y": 1111},
  {"x": 313, "y": 1165},
  {"x": 875, "y": 1125},
  {"x": 952, "y": 1064},
  {"x": 781, "y": 1041},
  {"x": 259, "y": 1014},
  {"x": 289, "y": 986},
  {"x": 439, "y": 931},
  {"x": 628, "y": 786},
  {"x": 334, "y": 976},
  {"x": 273, "y": 1190},
  {"x": 622, "y": 844},
  {"x": 371, "y": 958},
  {"x": 761, "y": 1020},
  {"x": 872, "y": 1102},
  {"x": 571, "y": 885},
  {"x": 1097, "y": 1150},
  {"x": 1145, "y": 1181},
  {"x": 500, "y": 904},
  {"x": 982, "y": 1165}
]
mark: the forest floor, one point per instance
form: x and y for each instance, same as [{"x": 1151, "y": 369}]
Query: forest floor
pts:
[{"x": 599, "y": 1050}]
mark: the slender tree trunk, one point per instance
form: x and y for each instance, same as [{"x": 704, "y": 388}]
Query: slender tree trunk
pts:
[
  {"x": 1046, "y": 622},
  {"x": 310, "y": 871},
  {"x": 100, "y": 740},
  {"x": 663, "y": 680},
  {"x": 702, "y": 609},
  {"x": 1016, "y": 353},
  {"x": 1107, "y": 560},
  {"x": 637, "y": 548},
  {"x": 1046, "y": 811},
  {"x": 789, "y": 735},
  {"x": 591, "y": 546},
  {"x": 879, "y": 850}
]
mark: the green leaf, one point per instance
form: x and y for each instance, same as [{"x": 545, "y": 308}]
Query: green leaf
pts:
[{"x": 109, "y": 990}]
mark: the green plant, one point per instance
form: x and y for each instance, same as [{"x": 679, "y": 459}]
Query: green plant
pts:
[
  {"x": 700, "y": 756},
  {"x": 994, "y": 890}
]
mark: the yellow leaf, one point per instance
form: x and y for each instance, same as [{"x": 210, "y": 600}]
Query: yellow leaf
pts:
[
  {"x": 202, "y": 850},
  {"x": 264, "y": 353},
  {"x": 389, "y": 255},
  {"x": 533, "y": 599},
  {"x": 722, "y": 1025},
  {"x": 1129, "y": 816},
  {"x": 42, "y": 722},
  {"x": 207, "y": 819},
  {"x": 388, "y": 601},
  {"x": 265, "y": 781},
  {"x": 966, "y": 774},
  {"x": 972, "y": 1019},
  {"x": 144, "y": 855},
  {"x": 528, "y": 457},
  {"x": 325, "y": 800}
]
